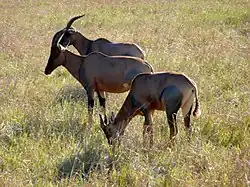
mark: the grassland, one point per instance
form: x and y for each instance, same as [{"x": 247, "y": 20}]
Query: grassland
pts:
[{"x": 43, "y": 118}]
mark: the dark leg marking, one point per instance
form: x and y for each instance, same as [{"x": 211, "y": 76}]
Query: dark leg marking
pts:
[
  {"x": 90, "y": 93},
  {"x": 187, "y": 123},
  {"x": 102, "y": 100},
  {"x": 187, "y": 119},
  {"x": 172, "y": 98},
  {"x": 172, "y": 124}
]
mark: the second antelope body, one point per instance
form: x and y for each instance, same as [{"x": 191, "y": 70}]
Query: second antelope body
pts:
[{"x": 85, "y": 46}]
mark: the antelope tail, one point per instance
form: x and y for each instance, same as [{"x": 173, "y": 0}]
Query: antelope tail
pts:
[{"x": 197, "y": 111}]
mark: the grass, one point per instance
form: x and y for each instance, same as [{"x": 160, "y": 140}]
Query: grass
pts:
[{"x": 43, "y": 118}]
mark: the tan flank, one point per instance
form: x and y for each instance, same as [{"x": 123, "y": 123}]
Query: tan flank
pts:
[
  {"x": 164, "y": 91},
  {"x": 85, "y": 46}
]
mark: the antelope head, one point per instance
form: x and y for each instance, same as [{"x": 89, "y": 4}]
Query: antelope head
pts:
[
  {"x": 109, "y": 128},
  {"x": 57, "y": 57},
  {"x": 69, "y": 33}
]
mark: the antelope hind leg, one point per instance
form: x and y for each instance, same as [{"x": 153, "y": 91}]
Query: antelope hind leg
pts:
[
  {"x": 186, "y": 112},
  {"x": 188, "y": 125}
]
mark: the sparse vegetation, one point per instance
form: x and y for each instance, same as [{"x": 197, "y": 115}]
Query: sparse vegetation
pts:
[{"x": 42, "y": 118}]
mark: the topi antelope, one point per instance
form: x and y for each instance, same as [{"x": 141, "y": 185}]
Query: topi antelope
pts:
[
  {"x": 158, "y": 91},
  {"x": 97, "y": 71},
  {"x": 85, "y": 46}
]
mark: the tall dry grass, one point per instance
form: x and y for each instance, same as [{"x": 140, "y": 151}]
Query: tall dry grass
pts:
[{"x": 42, "y": 118}]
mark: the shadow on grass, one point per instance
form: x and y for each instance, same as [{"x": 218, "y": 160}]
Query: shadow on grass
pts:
[
  {"x": 72, "y": 94},
  {"x": 82, "y": 164},
  {"x": 79, "y": 165}
]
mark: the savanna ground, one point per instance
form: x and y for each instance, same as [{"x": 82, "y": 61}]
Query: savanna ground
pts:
[{"x": 43, "y": 118}]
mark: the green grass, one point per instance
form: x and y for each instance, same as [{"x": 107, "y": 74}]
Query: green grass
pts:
[{"x": 43, "y": 135}]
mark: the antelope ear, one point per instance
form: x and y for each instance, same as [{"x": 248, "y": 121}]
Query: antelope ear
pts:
[
  {"x": 72, "y": 30},
  {"x": 112, "y": 117},
  {"x": 102, "y": 122}
]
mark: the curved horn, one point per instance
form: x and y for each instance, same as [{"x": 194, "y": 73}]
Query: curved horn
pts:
[{"x": 72, "y": 21}]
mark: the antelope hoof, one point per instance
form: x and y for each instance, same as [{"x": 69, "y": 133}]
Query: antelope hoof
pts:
[{"x": 147, "y": 129}]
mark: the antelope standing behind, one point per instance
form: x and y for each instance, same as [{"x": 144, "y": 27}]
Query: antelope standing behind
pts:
[
  {"x": 85, "y": 46},
  {"x": 97, "y": 71},
  {"x": 164, "y": 91}
]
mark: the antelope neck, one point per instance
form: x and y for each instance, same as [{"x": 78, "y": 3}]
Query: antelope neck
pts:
[
  {"x": 73, "y": 64},
  {"x": 124, "y": 116},
  {"x": 83, "y": 45},
  {"x": 89, "y": 47}
]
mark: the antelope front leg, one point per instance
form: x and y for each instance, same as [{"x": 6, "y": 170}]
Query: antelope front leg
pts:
[
  {"x": 147, "y": 128},
  {"x": 102, "y": 101},
  {"x": 90, "y": 93}
]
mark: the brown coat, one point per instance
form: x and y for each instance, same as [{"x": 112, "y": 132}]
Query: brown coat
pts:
[
  {"x": 164, "y": 91},
  {"x": 97, "y": 71}
]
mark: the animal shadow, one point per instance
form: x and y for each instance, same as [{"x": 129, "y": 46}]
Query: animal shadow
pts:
[
  {"x": 72, "y": 94},
  {"x": 79, "y": 165},
  {"x": 82, "y": 164}
]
